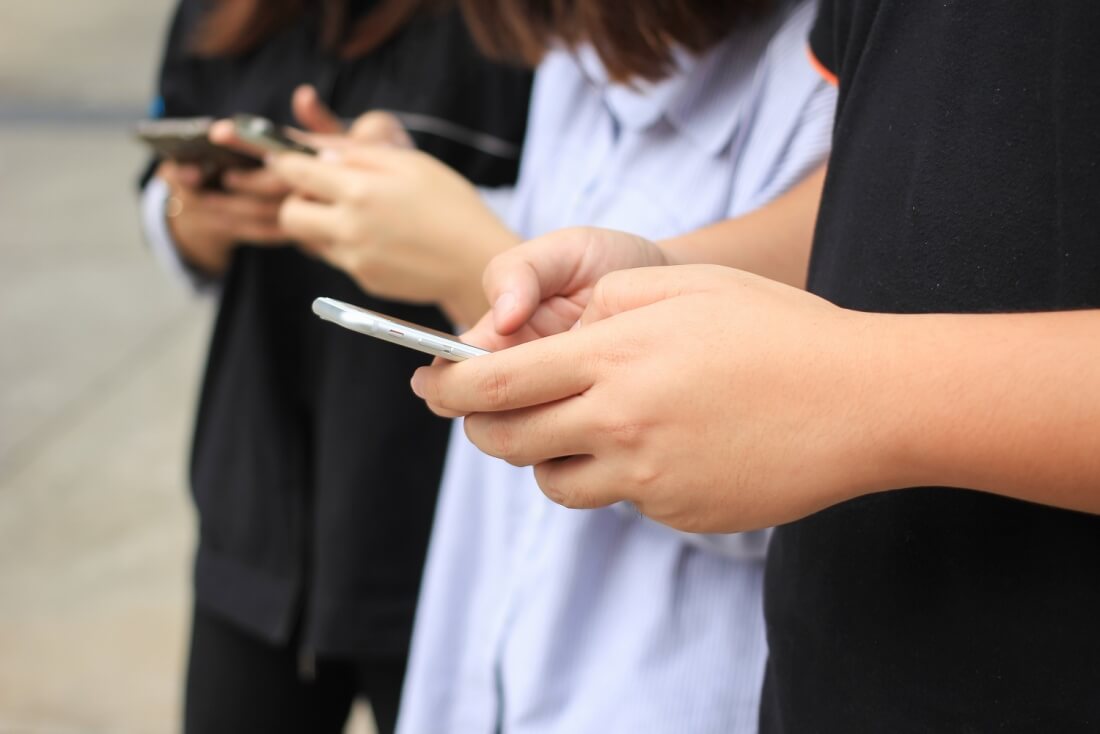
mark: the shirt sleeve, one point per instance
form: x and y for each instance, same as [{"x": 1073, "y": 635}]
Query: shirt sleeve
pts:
[
  {"x": 793, "y": 131},
  {"x": 808, "y": 146},
  {"x": 823, "y": 48},
  {"x": 154, "y": 226}
]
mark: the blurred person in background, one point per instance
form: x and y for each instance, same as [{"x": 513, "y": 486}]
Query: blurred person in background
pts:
[
  {"x": 644, "y": 117},
  {"x": 314, "y": 471}
]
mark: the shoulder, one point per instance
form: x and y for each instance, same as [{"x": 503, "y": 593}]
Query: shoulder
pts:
[
  {"x": 787, "y": 58},
  {"x": 562, "y": 98},
  {"x": 789, "y": 84}
]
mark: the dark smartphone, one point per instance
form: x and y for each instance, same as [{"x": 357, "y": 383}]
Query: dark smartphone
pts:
[
  {"x": 263, "y": 133},
  {"x": 184, "y": 140}
]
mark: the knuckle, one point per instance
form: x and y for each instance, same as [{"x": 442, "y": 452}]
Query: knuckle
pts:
[
  {"x": 489, "y": 435},
  {"x": 499, "y": 440},
  {"x": 565, "y": 487},
  {"x": 552, "y": 484},
  {"x": 346, "y": 230},
  {"x": 643, "y": 473},
  {"x": 601, "y": 292},
  {"x": 358, "y": 193},
  {"x": 576, "y": 499},
  {"x": 624, "y": 433},
  {"x": 495, "y": 387}
]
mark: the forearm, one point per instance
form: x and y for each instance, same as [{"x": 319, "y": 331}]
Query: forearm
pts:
[
  {"x": 1005, "y": 403},
  {"x": 773, "y": 241}
]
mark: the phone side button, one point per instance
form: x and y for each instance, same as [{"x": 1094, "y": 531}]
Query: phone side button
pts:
[{"x": 436, "y": 346}]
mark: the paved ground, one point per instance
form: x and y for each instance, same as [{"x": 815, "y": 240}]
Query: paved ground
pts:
[{"x": 99, "y": 357}]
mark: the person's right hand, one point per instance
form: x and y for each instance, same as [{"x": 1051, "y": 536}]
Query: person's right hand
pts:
[
  {"x": 541, "y": 287},
  {"x": 207, "y": 224}
]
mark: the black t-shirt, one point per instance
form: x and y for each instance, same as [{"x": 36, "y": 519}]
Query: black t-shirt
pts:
[
  {"x": 965, "y": 177},
  {"x": 314, "y": 468}
]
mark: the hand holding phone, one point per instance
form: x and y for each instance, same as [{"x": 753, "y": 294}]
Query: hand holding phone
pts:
[
  {"x": 219, "y": 196},
  {"x": 185, "y": 140},
  {"x": 259, "y": 132}
]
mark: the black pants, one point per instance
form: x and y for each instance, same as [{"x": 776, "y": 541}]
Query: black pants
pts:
[{"x": 239, "y": 684}]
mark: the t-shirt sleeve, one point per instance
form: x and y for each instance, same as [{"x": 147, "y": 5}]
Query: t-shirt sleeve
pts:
[
  {"x": 792, "y": 131},
  {"x": 823, "y": 48}
]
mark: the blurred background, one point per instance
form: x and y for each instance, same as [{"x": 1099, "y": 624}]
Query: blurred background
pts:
[{"x": 99, "y": 360}]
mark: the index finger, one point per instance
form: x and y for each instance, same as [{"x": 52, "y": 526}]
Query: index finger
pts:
[
  {"x": 533, "y": 373},
  {"x": 223, "y": 133},
  {"x": 313, "y": 176},
  {"x": 257, "y": 182}
]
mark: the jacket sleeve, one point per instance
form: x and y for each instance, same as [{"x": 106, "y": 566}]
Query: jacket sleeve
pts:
[{"x": 180, "y": 87}]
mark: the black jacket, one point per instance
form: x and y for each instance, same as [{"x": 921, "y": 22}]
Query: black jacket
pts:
[{"x": 314, "y": 468}]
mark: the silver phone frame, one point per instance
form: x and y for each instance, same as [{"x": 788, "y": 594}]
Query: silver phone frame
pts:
[{"x": 395, "y": 331}]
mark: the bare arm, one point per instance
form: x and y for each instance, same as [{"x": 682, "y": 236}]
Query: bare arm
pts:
[
  {"x": 1007, "y": 403},
  {"x": 718, "y": 401},
  {"x": 773, "y": 241}
]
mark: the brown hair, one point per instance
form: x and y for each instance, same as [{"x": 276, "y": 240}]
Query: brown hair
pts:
[
  {"x": 232, "y": 27},
  {"x": 633, "y": 39}
]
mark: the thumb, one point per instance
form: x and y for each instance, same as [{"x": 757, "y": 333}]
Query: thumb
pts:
[
  {"x": 313, "y": 114},
  {"x": 380, "y": 128},
  {"x": 518, "y": 280},
  {"x": 626, "y": 290},
  {"x": 483, "y": 334}
]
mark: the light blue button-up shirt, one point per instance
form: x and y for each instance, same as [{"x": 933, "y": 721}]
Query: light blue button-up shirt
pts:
[{"x": 534, "y": 618}]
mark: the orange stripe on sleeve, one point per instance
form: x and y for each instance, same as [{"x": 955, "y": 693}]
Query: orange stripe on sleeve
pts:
[{"x": 821, "y": 68}]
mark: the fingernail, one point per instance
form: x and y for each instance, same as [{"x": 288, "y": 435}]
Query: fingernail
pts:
[
  {"x": 415, "y": 384},
  {"x": 505, "y": 304},
  {"x": 331, "y": 155},
  {"x": 270, "y": 158}
]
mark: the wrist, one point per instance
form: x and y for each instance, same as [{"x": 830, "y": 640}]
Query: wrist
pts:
[
  {"x": 879, "y": 445},
  {"x": 906, "y": 395},
  {"x": 205, "y": 254},
  {"x": 465, "y": 302},
  {"x": 667, "y": 250}
]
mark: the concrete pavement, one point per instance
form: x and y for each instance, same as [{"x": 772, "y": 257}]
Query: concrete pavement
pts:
[
  {"x": 99, "y": 362},
  {"x": 98, "y": 368}
]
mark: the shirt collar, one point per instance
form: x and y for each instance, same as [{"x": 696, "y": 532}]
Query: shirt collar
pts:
[{"x": 703, "y": 99}]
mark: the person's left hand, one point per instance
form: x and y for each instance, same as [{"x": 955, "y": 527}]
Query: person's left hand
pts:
[
  {"x": 402, "y": 224},
  {"x": 714, "y": 400}
]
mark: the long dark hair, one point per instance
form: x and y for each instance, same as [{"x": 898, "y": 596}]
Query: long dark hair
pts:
[
  {"x": 634, "y": 39},
  {"x": 232, "y": 27}
]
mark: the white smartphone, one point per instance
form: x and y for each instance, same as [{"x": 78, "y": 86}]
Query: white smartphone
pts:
[{"x": 395, "y": 331}]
